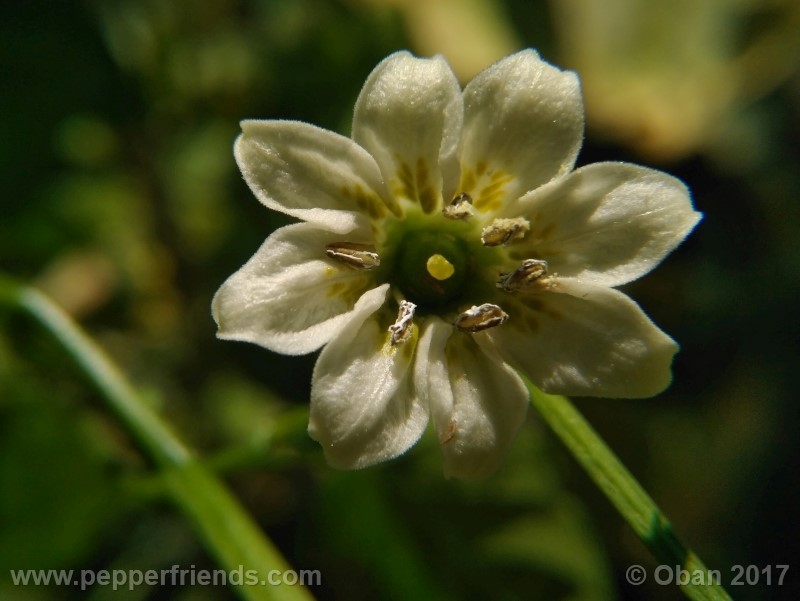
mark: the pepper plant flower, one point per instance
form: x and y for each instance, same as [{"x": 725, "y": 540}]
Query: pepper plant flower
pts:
[{"x": 445, "y": 246}]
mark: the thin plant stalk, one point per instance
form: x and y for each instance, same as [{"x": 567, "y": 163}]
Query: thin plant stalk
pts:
[
  {"x": 227, "y": 530},
  {"x": 626, "y": 494}
]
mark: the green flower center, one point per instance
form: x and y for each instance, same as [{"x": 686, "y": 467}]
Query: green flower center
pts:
[{"x": 431, "y": 267}]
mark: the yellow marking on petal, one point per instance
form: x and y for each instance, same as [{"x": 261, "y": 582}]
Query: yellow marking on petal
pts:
[
  {"x": 548, "y": 252},
  {"x": 428, "y": 199},
  {"x": 407, "y": 348},
  {"x": 406, "y": 178},
  {"x": 439, "y": 267},
  {"x": 485, "y": 184},
  {"x": 557, "y": 315},
  {"x": 468, "y": 181},
  {"x": 348, "y": 292},
  {"x": 369, "y": 202},
  {"x": 493, "y": 205},
  {"x": 535, "y": 304},
  {"x": 369, "y": 207},
  {"x": 404, "y": 182},
  {"x": 527, "y": 310},
  {"x": 336, "y": 289},
  {"x": 546, "y": 231},
  {"x": 416, "y": 185},
  {"x": 531, "y": 323},
  {"x": 490, "y": 196},
  {"x": 540, "y": 306}
]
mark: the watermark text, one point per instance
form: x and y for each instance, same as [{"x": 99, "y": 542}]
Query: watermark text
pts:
[
  {"x": 738, "y": 575},
  {"x": 174, "y": 576}
]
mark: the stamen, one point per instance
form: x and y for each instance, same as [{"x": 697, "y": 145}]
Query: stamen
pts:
[
  {"x": 359, "y": 256},
  {"x": 402, "y": 329},
  {"x": 439, "y": 267},
  {"x": 480, "y": 318},
  {"x": 503, "y": 231},
  {"x": 523, "y": 276},
  {"x": 459, "y": 208}
]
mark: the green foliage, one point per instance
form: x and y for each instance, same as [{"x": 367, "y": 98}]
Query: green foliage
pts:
[{"x": 122, "y": 201}]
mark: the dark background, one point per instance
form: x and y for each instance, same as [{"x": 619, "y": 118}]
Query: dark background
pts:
[{"x": 121, "y": 199}]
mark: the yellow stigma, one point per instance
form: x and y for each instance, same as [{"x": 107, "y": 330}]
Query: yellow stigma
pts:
[{"x": 439, "y": 267}]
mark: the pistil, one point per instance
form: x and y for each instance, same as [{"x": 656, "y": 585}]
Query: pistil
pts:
[{"x": 439, "y": 267}]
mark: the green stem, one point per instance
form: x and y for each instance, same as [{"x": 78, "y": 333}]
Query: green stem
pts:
[
  {"x": 229, "y": 533},
  {"x": 624, "y": 492}
]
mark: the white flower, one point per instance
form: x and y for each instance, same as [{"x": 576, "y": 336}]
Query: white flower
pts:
[{"x": 446, "y": 245}]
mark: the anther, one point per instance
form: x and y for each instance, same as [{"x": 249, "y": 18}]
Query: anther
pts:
[
  {"x": 503, "y": 231},
  {"x": 523, "y": 276},
  {"x": 403, "y": 327},
  {"x": 359, "y": 256},
  {"x": 482, "y": 317},
  {"x": 459, "y": 208}
]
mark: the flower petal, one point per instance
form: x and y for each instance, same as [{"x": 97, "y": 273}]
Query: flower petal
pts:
[
  {"x": 523, "y": 126},
  {"x": 310, "y": 173},
  {"x": 408, "y": 116},
  {"x": 289, "y": 297},
  {"x": 586, "y": 340},
  {"x": 606, "y": 223},
  {"x": 363, "y": 406},
  {"x": 477, "y": 402}
]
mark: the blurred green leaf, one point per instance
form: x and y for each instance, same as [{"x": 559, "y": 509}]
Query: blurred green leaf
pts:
[{"x": 60, "y": 497}]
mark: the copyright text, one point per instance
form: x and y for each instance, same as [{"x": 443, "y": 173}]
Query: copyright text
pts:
[{"x": 738, "y": 575}]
